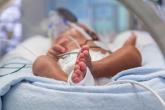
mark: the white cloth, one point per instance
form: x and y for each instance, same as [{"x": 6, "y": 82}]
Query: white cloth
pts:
[
  {"x": 87, "y": 81},
  {"x": 68, "y": 61}
]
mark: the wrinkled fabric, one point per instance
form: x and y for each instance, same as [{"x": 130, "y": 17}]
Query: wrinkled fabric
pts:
[{"x": 20, "y": 90}]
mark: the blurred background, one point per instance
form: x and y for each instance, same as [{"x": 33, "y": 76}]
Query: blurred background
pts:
[{"x": 22, "y": 19}]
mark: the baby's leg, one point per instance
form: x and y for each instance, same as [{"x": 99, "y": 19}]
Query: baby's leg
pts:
[
  {"x": 46, "y": 66},
  {"x": 83, "y": 61},
  {"x": 124, "y": 58}
]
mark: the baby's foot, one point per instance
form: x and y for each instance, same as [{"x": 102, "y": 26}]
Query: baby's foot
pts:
[
  {"x": 131, "y": 40},
  {"x": 83, "y": 61}
]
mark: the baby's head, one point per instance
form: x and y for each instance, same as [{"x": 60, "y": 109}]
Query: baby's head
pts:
[
  {"x": 69, "y": 16},
  {"x": 80, "y": 33}
]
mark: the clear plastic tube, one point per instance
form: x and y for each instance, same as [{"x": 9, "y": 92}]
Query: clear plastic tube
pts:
[{"x": 78, "y": 28}]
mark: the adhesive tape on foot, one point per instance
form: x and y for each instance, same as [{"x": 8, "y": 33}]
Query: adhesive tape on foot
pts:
[{"x": 87, "y": 81}]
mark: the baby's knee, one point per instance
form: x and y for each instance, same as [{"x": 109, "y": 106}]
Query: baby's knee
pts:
[{"x": 39, "y": 64}]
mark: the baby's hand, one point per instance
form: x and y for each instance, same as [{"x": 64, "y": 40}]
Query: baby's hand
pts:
[{"x": 57, "y": 49}]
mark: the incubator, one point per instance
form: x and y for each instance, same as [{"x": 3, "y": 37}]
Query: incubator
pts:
[
  {"x": 117, "y": 20},
  {"x": 134, "y": 89}
]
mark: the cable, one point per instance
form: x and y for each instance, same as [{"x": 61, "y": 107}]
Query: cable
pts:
[
  {"x": 68, "y": 53},
  {"x": 111, "y": 83},
  {"x": 80, "y": 30},
  {"x": 75, "y": 41},
  {"x": 141, "y": 85},
  {"x": 18, "y": 68},
  {"x": 70, "y": 37},
  {"x": 7, "y": 64}
]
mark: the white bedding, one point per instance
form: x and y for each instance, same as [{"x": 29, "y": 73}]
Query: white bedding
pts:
[{"x": 30, "y": 49}]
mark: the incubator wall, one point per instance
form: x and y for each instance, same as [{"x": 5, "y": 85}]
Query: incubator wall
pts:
[{"x": 106, "y": 17}]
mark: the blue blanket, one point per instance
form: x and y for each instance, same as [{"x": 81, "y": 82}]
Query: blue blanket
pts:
[{"x": 20, "y": 90}]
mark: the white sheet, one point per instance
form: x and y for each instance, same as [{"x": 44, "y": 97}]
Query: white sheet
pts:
[{"x": 30, "y": 49}]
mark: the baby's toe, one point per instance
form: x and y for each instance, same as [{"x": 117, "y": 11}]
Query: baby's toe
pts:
[{"x": 83, "y": 66}]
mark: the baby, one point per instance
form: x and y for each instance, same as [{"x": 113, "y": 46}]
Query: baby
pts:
[{"x": 107, "y": 65}]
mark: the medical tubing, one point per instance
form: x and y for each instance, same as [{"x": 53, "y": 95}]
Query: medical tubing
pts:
[
  {"x": 141, "y": 85},
  {"x": 17, "y": 68},
  {"x": 70, "y": 37},
  {"x": 80, "y": 30},
  {"x": 67, "y": 53},
  {"x": 75, "y": 41},
  {"x": 34, "y": 54}
]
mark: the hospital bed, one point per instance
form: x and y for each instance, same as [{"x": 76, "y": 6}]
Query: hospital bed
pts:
[{"x": 133, "y": 89}]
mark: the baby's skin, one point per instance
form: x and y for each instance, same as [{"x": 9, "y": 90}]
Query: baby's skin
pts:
[{"x": 47, "y": 65}]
